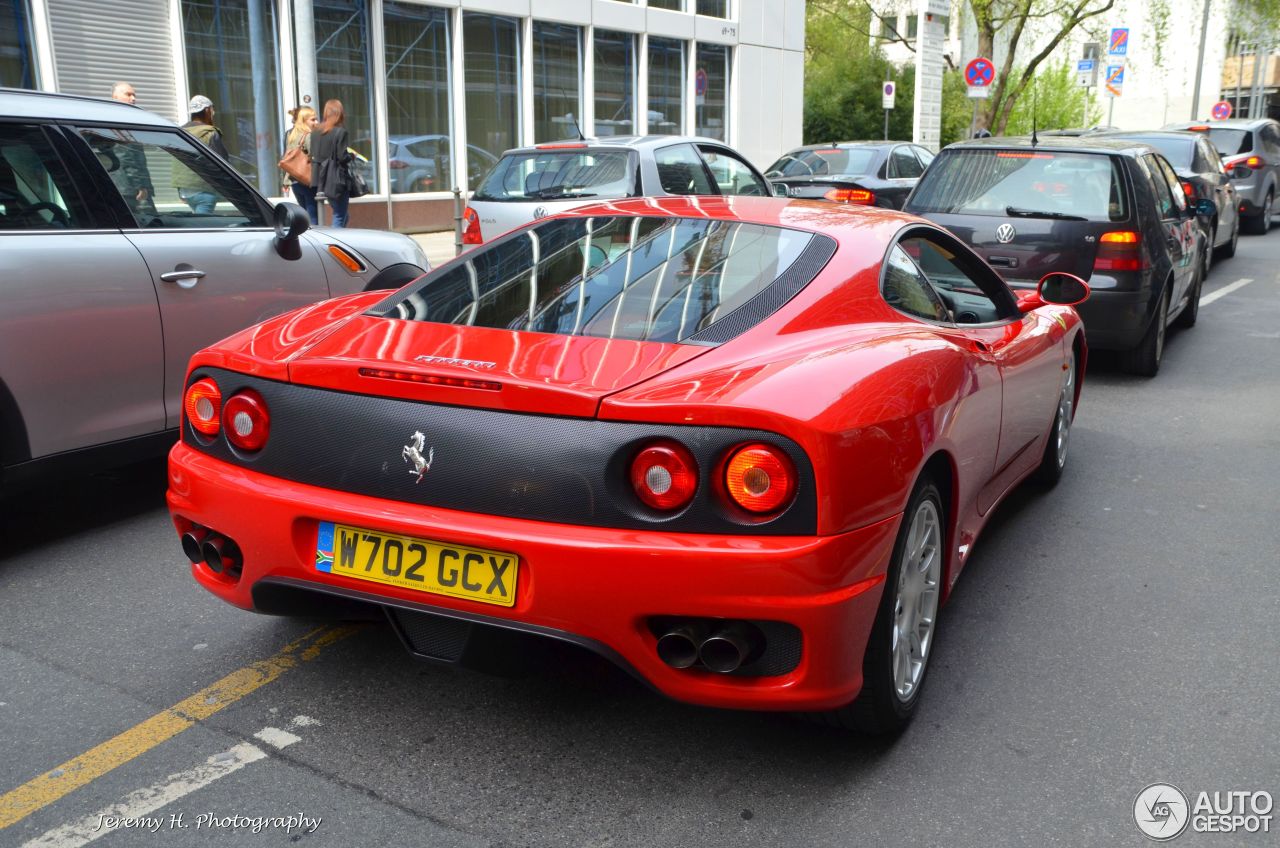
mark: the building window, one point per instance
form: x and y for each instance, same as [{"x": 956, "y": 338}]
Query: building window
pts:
[
  {"x": 913, "y": 25},
  {"x": 714, "y": 8},
  {"x": 666, "y": 86},
  {"x": 711, "y": 86},
  {"x": 492, "y": 77},
  {"x": 615, "y": 58},
  {"x": 419, "y": 108},
  {"x": 17, "y": 62},
  {"x": 673, "y": 5},
  {"x": 344, "y": 72},
  {"x": 557, "y": 81},
  {"x": 232, "y": 60}
]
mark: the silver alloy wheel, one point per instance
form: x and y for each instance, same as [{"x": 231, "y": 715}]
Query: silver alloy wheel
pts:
[
  {"x": 1066, "y": 406},
  {"x": 916, "y": 610}
]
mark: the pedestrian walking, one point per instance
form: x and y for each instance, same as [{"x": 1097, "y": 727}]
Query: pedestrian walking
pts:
[
  {"x": 329, "y": 158},
  {"x": 299, "y": 138},
  {"x": 132, "y": 178},
  {"x": 191, "y": 188}
]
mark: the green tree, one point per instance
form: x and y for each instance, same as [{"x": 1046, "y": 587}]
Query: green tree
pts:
[{"x": 1057, "y": 101}]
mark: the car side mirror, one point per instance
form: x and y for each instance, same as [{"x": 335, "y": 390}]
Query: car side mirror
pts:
[
  {"x": 291, "y": 221},
  {"x": 1205, "y": 208},
  {"x": 1062, "y": 289}
]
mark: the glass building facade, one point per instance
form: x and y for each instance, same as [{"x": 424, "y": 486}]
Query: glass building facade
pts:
[{"x": 17, "y": 58}]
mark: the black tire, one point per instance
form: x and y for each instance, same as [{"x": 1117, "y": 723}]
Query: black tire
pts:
[
  {"x": 1259, "y": 224},
  {"x": 879, "y": 709},
  {"x": 1187, "y": 317},
  {"x": 1054, "y": 460},
  {"x": 1144, "y": 360},
  {"x": 1228, "y": 250},
  {"x": 1206, "y": 258}
]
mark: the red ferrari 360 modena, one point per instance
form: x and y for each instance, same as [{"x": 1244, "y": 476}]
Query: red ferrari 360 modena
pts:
[{"x": 741, "y": 447}]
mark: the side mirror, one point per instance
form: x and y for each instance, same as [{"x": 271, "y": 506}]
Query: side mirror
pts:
[
  {"x": 1062, "y": 289},
  {"x": 1205, "y": 208},
  {"x": 291, "y": 221}
]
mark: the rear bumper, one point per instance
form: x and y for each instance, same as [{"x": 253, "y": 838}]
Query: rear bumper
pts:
[
  {"x": 597, "y": 587},
  {"x": 1115, "y": 320}
]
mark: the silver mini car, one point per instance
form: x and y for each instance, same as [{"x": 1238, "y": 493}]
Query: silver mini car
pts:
[
  {"x": 126, "y": 246},
  {"x": 530, "y": 183}
]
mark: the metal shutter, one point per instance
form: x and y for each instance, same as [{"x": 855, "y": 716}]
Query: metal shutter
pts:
[{"x": 99, "y": 42}]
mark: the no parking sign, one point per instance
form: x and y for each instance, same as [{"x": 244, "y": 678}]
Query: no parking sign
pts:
[{"x": 1221, "y": 110}]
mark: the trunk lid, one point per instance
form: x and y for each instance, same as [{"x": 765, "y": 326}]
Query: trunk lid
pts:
[
  {"x": 1034, "y": 246},
  {"x": 481, "y": 366},
  {"x": 813, "y": 187}
]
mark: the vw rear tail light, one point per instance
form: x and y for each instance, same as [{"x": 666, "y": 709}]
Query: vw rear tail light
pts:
[
  {"x": 1189, "y": 190},
  {"x": 664, "y": 475},
  {"x": 203, "y": 405},
  {"x": 1119, "y": 251},
  {"x": 860, "y": 196},
  {"x": 246, "y": 421},
  {"x": 471, "y": 227},
  {"x": 760, "y": 478}
]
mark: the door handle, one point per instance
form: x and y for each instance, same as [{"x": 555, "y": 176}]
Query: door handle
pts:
[{"x": 182, "y": 273}]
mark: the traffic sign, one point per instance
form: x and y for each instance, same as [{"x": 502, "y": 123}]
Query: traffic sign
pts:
[
  {"x": 1221, "y": 110},
  {"x": 981, "y": 92},
  {"x": 1119, "y": 41},
  {"x": 890, "y": 89},
  {"x": 979, "y": 72},
  {"x": 1115, "y": 80},
  {"x": 1087, "y": 72}
]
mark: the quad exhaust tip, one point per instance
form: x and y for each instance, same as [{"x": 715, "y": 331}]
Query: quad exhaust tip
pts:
[
  {"x": 204, "y": 546},
  {"x": 721, "y": 647},
  {"x": 192, "y": 540}
]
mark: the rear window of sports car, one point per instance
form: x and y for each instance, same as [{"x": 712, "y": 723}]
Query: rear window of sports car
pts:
[{"x": 640, "y": 278}]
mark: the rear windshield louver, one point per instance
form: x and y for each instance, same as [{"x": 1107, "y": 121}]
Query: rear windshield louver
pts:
[{"x": 432, "y": 379}]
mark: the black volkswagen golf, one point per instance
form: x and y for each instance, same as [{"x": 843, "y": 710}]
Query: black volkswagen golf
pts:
[{"x": 1109, "y": 211}]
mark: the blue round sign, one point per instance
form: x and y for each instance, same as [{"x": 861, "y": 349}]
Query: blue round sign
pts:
[
  {"x": 1221, "y": 110},
  {"x": 979, "y": 72}
]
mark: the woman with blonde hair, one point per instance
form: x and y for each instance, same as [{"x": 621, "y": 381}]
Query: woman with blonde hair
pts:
[
  {"x": 328, "y": 155},
  {"x": 304, "y": 121}
]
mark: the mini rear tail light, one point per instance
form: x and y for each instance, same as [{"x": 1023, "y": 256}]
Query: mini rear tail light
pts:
[
  {"x": 1253, "y": 163},
  {"x": 760, "y": 478},
  {"x": 664, "y": 475},
  {"x": 346, "y": 260},
  {"x": 471, "y": 227},
  {"x": 859, "y": 196},
  {"x": 1119, "y": 251},
  {"x": 246, "y": 421},
  {"x": 203, "y": 405}
]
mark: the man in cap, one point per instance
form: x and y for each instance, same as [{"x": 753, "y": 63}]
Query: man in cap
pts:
[
  {"x": 132, "y": 178},
  {"x": 191, "y": 188}
]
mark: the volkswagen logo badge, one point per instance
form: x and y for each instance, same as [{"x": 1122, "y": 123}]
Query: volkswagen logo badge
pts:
[
  {"x": 1005, "y": 233},
  {"x": 539, "y": 213}
]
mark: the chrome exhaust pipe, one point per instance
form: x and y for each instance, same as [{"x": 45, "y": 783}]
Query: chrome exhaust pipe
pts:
[
  {"x": 191, "y": 544},
  {"x": 678, "y": 647},
  {"x": 220, "y": 554},
  {"x": 728, "y": 648}
]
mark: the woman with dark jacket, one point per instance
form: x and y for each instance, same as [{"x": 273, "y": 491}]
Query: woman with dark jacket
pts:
[{"x": 328, "y": 156}]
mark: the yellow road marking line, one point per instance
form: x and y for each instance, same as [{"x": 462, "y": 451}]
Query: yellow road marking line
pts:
[{"x": 54, "y": 784}]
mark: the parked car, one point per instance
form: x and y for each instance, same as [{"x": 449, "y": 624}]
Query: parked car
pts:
[
  {"x": 865, "y": 173},
  {"x": 529, "y": 183},
  {"x": 1202, "y": 175},
  {"x": 126, "y": 246},
  {"x": 1110, "y": 211},
  {"x": 1250, "y": 150},
  {"x": 416, "y": 162},
  {"x": 740, "y": 447}
]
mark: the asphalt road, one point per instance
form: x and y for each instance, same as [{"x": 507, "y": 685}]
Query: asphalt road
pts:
[{"x": 1115, "y": 632}]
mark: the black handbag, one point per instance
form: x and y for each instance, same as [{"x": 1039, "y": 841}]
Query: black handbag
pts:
[{"x": 354, "y": 180}]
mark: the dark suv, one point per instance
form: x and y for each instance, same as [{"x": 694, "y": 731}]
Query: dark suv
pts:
[
  {"x": 1109, "y": 211},
  {"x": 1250, "y": 150}
]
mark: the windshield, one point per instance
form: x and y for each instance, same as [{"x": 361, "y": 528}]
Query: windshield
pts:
[
  {"x": 559, "y": 175},
  {"x": 821, "y": 163},
  {"x": 1080, "y": 186},
  {"x": 1231, "y": 142},
  {"x": 654, "y": 278},
  {"x": 1178, "y": 151}
]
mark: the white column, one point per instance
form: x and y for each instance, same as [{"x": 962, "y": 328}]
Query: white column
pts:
[
  {"x": 642, "y": 84},
  {"x": 42, "y": 36},
  {"x": 524, "y": 47},
  {"x": 457, "y": 85},
  {"x": 304, "y": 28},
  {"x": 378, "y": 67},
  {"x": 587, "y": 83}
]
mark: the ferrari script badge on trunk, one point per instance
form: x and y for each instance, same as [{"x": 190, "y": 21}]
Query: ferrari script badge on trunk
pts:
[
  {"x": 412, "y": 453},
  {"x": 1005, "y": 233}
]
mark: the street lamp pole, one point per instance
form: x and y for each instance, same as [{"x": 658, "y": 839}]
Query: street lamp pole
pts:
[{"x": 1204, "y": 32}]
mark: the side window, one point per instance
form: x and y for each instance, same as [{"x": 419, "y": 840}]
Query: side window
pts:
[
  {"x": 903, "y": 165},
  {"x": 1212, "y": 160},
  {"x": 169, "y": 182},
  {"x": 680, "y": 170},
  {"x": 1171, "y": 180},
  {"x": 906, "y": 289},
  {"x": 36, "y": 192},
  {"x": 1271, "y": 138},
  {"x": 961, "y": 291},
  {"x": 1164, "y": 200},
  {"x": 732, "y": 175},
  {"x": 924, "y": 156}
]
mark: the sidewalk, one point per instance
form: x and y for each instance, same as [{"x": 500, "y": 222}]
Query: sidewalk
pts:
[{"x": 438, "y": 246}]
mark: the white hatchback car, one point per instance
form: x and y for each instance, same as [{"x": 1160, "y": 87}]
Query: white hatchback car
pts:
[{"x": 529, "y": 183}]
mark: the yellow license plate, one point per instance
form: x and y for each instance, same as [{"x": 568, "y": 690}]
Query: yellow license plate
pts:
[{"x": 436, "y": 567}]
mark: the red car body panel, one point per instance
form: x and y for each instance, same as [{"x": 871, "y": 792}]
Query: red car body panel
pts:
[{"x": 871, "y": 395}]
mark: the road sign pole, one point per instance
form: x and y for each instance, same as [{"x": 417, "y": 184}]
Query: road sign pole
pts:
[
  {"x": 1111, "y": 112},
  {"x": 1204, "y": 31},
  {"x": 886, "y": 124}
]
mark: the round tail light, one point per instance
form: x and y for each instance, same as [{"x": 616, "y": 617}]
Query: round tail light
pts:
[
  {"x": 246, "y": 421},
  {"x": 664, "y": 475},
  {"x": 760, "y": 478},
  {"x": 203, "y": 405}
]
